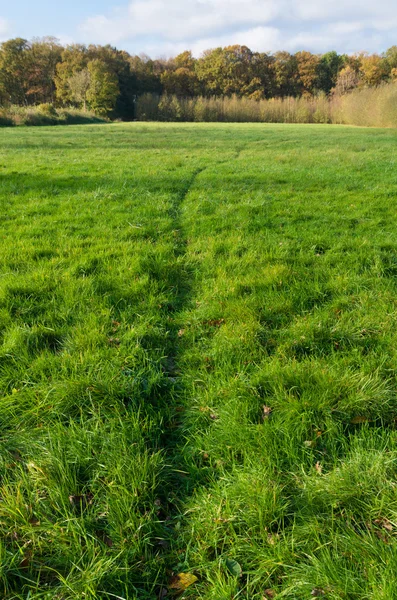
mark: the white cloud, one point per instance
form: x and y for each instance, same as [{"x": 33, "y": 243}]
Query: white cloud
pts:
[
  {"x": 168, "y": 26},
  {"x": 4, "y": 28},
  {"x": 65, "y": 40},
  {"x": 180, "y": 19},
  {"x": 257, "y": 38}
]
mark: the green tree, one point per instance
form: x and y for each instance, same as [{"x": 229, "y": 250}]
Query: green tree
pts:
[
  {"x": 74, "y": 58},
  {"x": 145, "y": 75},
  {"x": 79, "y": 84},
  {"x": 185, "y": 60},
  {"x": 15, "y": 65},
  {"x": 285, "y": 68},
  {"x": 328, "y": 69},
  {"x": 103, "y": 91},
  {"x": 45, "y": 54},
  {"x": 118, "y": 63},
  {"x": 390, "y": 57},
  {"x": 234, "y": 70},
  {"x": 182, "y": 82}
]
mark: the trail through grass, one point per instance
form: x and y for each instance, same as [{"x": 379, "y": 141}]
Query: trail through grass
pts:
[{"x": 198, "y": 362}]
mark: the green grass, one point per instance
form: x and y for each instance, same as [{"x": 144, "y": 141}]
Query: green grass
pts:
[{"x": 160, "y": 285}]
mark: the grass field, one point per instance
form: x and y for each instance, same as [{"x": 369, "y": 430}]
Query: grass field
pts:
[{"x": 198, "y": 353}]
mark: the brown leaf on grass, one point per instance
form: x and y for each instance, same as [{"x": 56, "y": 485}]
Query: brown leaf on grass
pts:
[
  {"x": 360, "y": 419},
  {"x": 34, "y": 522},
  {"x": 268, "y": 594},
  {"x": 181, "y": 332},
  {"x": 384, "y": 523},
  {"x": 382, "y": 535},
  {"x": 213, "y": 416},
  {"x": 267, "y": 410},
  {"x": 27, "y": 558},
  {"x": 104, "y": 538},
  {"x": 182, "y": 581},
  {"x": 214, "y": 322},
  {"x": 317, "y": 593},
  {"x": 115, "y": 326}
]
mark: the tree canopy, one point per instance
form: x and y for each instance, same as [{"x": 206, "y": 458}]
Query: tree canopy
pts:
[{"x": 108, "y": 80}]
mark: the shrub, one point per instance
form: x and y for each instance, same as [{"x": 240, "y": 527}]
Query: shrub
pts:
[
  {"x": 375, "y": 107},
  {"x": 45, "y": 114},
  {"x": 5, "y": 120}
]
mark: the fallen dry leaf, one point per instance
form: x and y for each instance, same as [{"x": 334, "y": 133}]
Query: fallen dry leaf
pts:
[
  {"x": 25, "y": 562},
  {"x": 384, "y": 523},
  {"x": 182, "y": 581},
  {"x": 360, "y": 419},
  {"x": 266, "y": 412},
  {"x": 318, "y": 592},
  {"x": 214, "y": 322},
  {"x": 268, "y": 594},
  {"x": 104, "y": 538}
]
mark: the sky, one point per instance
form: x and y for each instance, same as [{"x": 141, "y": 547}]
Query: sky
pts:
[{"x": 163, "y": 28}]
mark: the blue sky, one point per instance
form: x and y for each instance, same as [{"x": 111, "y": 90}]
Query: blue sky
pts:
[{"x": 166, "y": 27}]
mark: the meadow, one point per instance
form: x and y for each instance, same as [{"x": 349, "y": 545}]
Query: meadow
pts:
[{"x": 198, "y": 352}]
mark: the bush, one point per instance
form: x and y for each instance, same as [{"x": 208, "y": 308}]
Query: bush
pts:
[
  {"x": 5, "y": 120},
  {"x": 375, "y": 107},
  {"x": 45, "y": 114}
]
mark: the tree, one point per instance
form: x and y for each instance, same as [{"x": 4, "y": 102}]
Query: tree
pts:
[
  {"x": 185, "y": 60},
  {"x": 374, "y": 69},
  {"x": 390, "y": 57},
  {"x": 234, "y": 70},
  {"x": 45, "y": 54},
  {"x": 285, "y": 68},
  {"x": 181, "y": 82},
  {"x": 74, "y": 58},
  {"x": 15, "y": 63},
  {"x": 145, "y": 77},
  {"x": 307, "y": 65},
  {"x": 103, "y": 91},
  {"x": 328, "y": 69},
  {"x": 79, "y": 84},
  {"x": 118, "y": 63},
  {"x": 347, "y": 80}
]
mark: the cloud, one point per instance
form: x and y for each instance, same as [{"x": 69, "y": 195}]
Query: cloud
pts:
[
  {"x": 168, "y": 26},
  {"x": 256, "y": 38},
  {"x": 4, "y": 28}
]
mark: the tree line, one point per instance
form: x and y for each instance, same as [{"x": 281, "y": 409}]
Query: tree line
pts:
[{"x": 108, "y": 81}]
